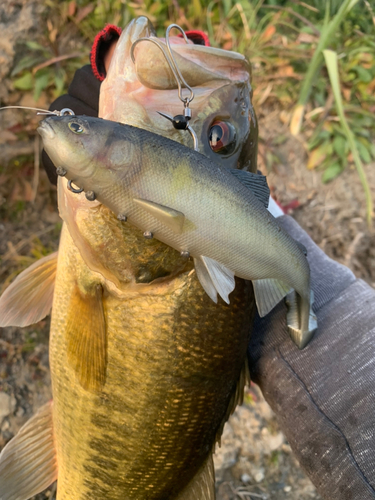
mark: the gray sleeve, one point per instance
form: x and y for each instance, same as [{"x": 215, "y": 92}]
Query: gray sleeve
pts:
[{"x": 324, "y": 395}]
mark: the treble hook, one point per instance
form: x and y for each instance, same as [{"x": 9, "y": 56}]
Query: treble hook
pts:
[{"x": 180, "y": 122}]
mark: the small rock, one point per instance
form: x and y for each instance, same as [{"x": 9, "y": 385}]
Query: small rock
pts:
[
  {"x": 259, "y": 476},
  {"x": 276, "y": 441},
  {"x": 5, "y": 426},
  {"x": 7, "y": 404},
  {"x": 245, "y": 478},
  {"x": 287, "y": 489},
  {"x": 20, "y": 412}
]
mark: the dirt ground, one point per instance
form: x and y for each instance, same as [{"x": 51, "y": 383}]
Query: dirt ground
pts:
[{"x": 255, "y": 460}]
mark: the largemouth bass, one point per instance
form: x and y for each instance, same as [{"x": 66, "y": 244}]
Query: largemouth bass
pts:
[{"x": 145, "y": 367}]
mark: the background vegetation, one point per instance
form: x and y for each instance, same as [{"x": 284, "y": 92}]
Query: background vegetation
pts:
[{"x": 284, "y": 40}]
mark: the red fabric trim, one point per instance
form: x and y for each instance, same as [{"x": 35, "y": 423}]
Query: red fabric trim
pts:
[
  {"x": 104, "y": 37},
  {"x": 197, "y": 37},
  {"x": 112, "y": 32}
]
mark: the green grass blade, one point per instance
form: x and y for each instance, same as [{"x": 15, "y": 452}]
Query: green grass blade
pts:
[
  {"x": 332, "y": 66},
  {"x": 328, "y": 32}
]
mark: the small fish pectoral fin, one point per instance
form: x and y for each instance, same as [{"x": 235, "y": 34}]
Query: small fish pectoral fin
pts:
[
  {"x": 257, "y": 183},
  {"x": 166, "y": 215},
  {"x": 301, "y": 336},
  {"x": 268, "y": 293},
  {"x": 205, "y": 280},
  {"x": 29, "y": 298},
  {"x": 28, "y": 463},
  {"x": 202, "y": 486},
  {"x": 86, "y": 338},
  {"x": 214, "y": 278}
]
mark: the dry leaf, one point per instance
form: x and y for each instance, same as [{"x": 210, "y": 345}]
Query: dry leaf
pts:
[
  {"x": 285, "y": 116},
  {"x": 268, "y": 33},
  {"x": 72, "y": 8},
  {"x": 85, "y": 11},
  {"x": 317, "y": 156}
]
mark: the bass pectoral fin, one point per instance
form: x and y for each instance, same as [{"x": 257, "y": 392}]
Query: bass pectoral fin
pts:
[
  {"x": 86, "y": 338},
  {"x": 166, "y": 215},
  {"x": 214, "y": 277},
  {"x": 268, "y": 293},
  {"x": 29, "y": 298},
  {"x": 28, "y": 463},
  {"x": 202, "y": 486}
]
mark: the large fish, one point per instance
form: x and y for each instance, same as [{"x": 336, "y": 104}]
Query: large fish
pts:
[{"x": 145, "y": 367}]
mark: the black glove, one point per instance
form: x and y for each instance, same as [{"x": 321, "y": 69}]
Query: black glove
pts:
[
  {"x": 323, "y": 396},
  {"x": 83, "y": 92}
]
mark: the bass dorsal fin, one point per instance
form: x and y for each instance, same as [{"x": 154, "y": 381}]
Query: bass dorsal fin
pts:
[
  {"x": 29, "y": 298},
  {"x": 86, "y": 338},
  {"x": 28, "y": 463}
]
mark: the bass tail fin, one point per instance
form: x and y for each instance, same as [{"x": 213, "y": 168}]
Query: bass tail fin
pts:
[
  {"x": 28, "y": 463},
  {"x": 29, "y": 298}
]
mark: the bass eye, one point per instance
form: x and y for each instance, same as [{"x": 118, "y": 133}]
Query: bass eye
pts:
[
  {"x": 222, "y": 137},
  {"x": 75, "y": 127}
]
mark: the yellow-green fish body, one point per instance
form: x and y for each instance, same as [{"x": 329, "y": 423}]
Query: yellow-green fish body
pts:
[{"x": 146, "y": 426}]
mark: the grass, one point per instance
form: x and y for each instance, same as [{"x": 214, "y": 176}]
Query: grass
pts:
[{"x": 285, "y": 41}]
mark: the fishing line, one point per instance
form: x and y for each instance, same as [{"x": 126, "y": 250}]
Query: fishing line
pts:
[
  {"x": 40, "y": 111},
  {"x": 180, "y": 122}
]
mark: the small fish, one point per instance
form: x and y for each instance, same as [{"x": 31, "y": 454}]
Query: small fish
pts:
[{"x": 183, "y": 199}]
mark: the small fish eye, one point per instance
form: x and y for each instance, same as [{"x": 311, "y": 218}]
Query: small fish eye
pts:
[
  {"x": 222, "y": 137},
  {"x": 75, "y": 127}
]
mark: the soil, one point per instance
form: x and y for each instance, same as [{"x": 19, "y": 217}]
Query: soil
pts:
[{"x": 254, "y": 460}]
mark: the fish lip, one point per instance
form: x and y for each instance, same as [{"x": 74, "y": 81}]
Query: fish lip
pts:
[{"x": 46, "y": 130}]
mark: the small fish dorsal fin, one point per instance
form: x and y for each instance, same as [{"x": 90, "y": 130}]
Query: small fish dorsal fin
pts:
[
  {"x": 268, "y": 293},
  {"x": 214, "y": 278},
  {"x": 257, "y": 183},
  {"x": 202, "y": 486},
  {"x": 169, "y": 216},
  {"x": 86, "y": 338},
  {"x": 28, "y": 463},
  {"x": 29, "y": 298}
]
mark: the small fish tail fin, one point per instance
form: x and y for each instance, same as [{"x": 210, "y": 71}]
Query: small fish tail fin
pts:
[
  {"x": 29, "y": 298},
  {"x": 28, "y": 463},
  {"x": 301, "y": 319}
]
